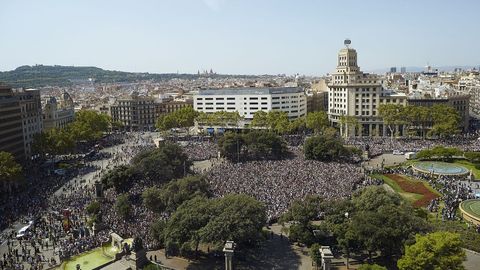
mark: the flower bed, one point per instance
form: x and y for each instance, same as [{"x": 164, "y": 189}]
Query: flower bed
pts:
[{"x": 414, "y": 187}]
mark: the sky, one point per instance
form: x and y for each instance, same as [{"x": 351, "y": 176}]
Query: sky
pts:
[{"x": 237, "y": 36}]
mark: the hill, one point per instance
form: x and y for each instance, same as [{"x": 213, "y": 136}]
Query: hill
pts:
[{"x": 40, "y": 75}]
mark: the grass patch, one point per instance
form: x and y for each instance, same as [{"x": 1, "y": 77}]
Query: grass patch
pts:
[
  {"x": 416, "y": 192},
  {"x": 467, "y": 164},
  {"x": 410, "y": 197}
]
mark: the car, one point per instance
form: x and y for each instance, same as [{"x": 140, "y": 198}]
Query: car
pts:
[{"x": 397, "y": 152}]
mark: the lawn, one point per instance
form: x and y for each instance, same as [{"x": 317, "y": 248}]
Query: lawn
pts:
[
  {"x": 467, "y": 164},
  {"x": 418, "y": 193}
]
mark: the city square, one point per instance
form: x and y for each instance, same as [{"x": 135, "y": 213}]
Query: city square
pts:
[{"x": 217, "y": 134}]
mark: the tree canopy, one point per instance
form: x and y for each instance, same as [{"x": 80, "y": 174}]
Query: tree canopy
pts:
[
  {"x": 438, "y": 250},
  {"x": 173, "y": 194},
  {"x": 328, "y": 148},
  {"x": 183, "y": 118},
  {"x": 162, "y": 164},
  {"x": 236, "y": 217},
  {"x": 10, "y": 170},
  {"x": 254, "y": 145},
  {"x": 438, "y": 120},
  {"x": 317, "y": 121}
]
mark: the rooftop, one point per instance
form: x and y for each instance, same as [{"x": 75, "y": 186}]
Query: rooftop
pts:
[{"x": 251, "y": 91}]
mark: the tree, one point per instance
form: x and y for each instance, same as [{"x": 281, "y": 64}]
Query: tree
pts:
[
  {"x": 260, "y": 119},
  {"x": 445, "y": 121},
  {"x": 438, "y": 250},
  {"x": 120, "y": 178},
  {"x": 327, "y": 148},
  {"x": 301, "y": 213},
  {"x": 123, "y": 206},
  {"x": 439, "y": 152},
  {"x": 317, "y": 121},
  {"x": 236, "y": 217},
  {"x": 393, "y": 116},
  {"x": 93, "y": 208},
  {"x": 162, "y": 164},
  {"x": 315, "y": 254},
  {"x": 347, "y": 122},
  {"x": 10, "y": 170},
  {"x": 89, "y": 125},
  {"x": 182, "y": 118},
  {"x": 231, "y": 145},
  {"x": 265, "y": 145},
  {"x": 371, "y": 267},
  {"x": 173, "y": 194}
]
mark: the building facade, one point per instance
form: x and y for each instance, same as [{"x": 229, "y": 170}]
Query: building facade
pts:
[
  {"x": 32, "y": 122},
  {"x": 460, "y": 102},
  {"x": 11, "y": 129},
  {"x": 58, "y": 114},
  {"x": 358, "y": 95},
  {"x": 136, "y": 113},
  {"x": 248, "y": 101}
]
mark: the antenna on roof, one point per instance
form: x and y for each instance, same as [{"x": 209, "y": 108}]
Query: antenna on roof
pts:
[{"x": 347, "y": 42}]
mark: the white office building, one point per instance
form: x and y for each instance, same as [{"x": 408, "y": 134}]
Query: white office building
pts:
[{"x": 247, "y": 101}]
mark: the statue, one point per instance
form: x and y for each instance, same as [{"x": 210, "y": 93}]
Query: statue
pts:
[{"x": 137, "y": 244}]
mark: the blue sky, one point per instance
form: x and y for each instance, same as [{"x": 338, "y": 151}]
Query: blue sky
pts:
[{"x": 237, "y": 36}]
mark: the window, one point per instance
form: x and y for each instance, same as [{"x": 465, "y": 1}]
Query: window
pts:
[
  {"x": 219, "y": 98},
  {"x": 209, "y": 98},
  {"x": 253, "y": 98},
  {"x": 230, "y": 98},
  {"x": 264, "y": 98},
  {"x": 230, "y": 108},
  {"x": 220, "y": 103}
]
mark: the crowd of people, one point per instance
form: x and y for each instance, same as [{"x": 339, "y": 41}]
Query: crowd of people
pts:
[
  {"x": 279, "y": 182},
  {"x": 379, "y": 145},
  {"x": 55, "y": 236}
]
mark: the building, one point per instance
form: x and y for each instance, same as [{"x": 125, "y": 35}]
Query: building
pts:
[
  {"x": 393, "y": 70},
  {"x": 403, "y": 70},
  {"x": 11, "y": 129},
  {"x": 32, "y": 122},
  {"x": 58, "y": 114},
  {"x": 460, "y": 102},
  {"x": 136, "y": 112},
  {"x": 248, "y": 101},
  {"x": 171, "y": 106},
  {"x": 317, "y": 101},
  {"x": 358, "y": 95}
]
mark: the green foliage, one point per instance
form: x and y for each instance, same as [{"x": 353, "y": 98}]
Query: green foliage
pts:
[
  {"x": 276, "y": 121},
  {"x": 473, "y": 157},
  {"x": 234, "y": 217},
  {"x": 10, "y": 170},
  {"x": 439, "y": 152},
  {"x": 93, "y": 208},
  {"x": 439, "y": 250},
  {"x": 172, "y": 195},
  {"x": 327, "y": 148},
  {"x": 315, "y": 254},
  {"x": 89, "y": 125},
  {"x": 256, "y": 145},
  {"x": 120, "y": 178},
  {"x": 162, "y": 164},
  {"x": 372, "y": 198},
  {"x": 182, "y": 118},
  {"x": 123, "y": 206},
  {"x": 371, "y": 267},
  {"x": 392, "y": 115},
  {"x": 301, "y": 213},
  {"x": 438, "y": 120},
  {"x": 317, "y": 121}
]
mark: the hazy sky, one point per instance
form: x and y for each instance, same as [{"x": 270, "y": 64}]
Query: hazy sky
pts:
[{"x": 237, "y": 36}]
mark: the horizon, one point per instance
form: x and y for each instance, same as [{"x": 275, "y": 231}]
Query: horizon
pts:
[{"x": 231, "y": 37}]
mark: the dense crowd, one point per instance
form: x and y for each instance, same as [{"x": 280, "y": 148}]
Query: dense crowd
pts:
[
  {"x": 278, "y": 182},
  {"x": 377, "y": 146},
  {"x": 275, "y": 182}
]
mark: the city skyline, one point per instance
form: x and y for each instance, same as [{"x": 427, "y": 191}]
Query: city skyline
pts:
[{"x": 233, "y": 37}]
